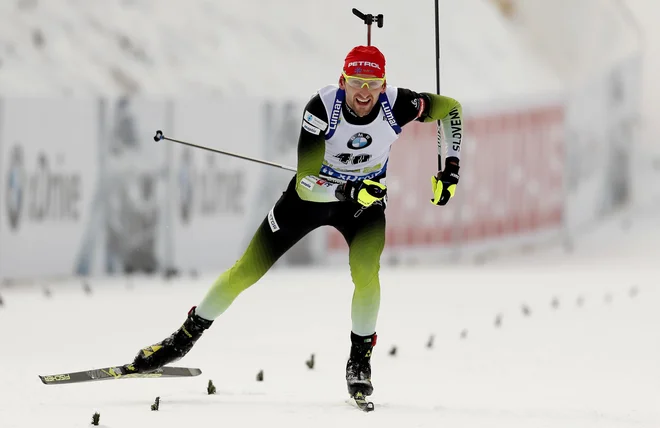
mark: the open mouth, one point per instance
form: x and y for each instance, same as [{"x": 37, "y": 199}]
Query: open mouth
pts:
[{"x": 362, "y": 101}]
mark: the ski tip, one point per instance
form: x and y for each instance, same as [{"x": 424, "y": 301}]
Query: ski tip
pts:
[
  {"x": 195, "y": 372},
  {"x": 51, "y": 379}
]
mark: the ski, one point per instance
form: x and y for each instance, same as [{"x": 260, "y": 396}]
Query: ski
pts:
[
  {"x": 362, "y": 403},
  {"x": 118, "y": 372}
]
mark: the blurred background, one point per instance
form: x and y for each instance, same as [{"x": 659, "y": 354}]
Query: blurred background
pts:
[{"x": 559, "y": 100}]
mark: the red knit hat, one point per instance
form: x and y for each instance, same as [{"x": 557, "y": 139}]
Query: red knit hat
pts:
[{"x": 365, "y": 60}]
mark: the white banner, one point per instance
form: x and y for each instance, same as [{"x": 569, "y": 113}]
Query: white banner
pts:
[
  {"x": 86, "y": 190},
  {"x": 216, "y": 200},
  {"x": 49, "y": 170}
]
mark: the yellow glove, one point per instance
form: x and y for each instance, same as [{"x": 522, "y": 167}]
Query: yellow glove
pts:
[
  {"x": 364, "y": 192},
  {"x": 444, "y": 184}
]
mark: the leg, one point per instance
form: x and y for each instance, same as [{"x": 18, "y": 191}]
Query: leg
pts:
[
  {"x": 365, "y": 235},
  {"x": 261, "y": 254},
  {"x": 290, "y": 219}
]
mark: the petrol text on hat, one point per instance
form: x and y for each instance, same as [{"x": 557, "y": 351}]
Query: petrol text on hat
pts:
[{"x": 363, "y": 64}]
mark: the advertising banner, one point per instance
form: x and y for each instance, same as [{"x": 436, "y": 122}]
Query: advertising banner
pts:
[
  {"x": 87, "y": 191},
  {"x": 49, "y": 172},
  {"x": 216, "y": 201}
]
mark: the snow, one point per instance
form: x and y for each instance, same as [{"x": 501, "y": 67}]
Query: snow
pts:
[
  {"x": 592, "y": 361},
  {"x": 594, "y": 364},
  {"x": 210, "y": 48}
]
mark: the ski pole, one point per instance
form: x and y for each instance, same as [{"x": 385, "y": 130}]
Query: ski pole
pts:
[
  {"x": 159, "y": 136},
  {"x": 437, "y": 78}
]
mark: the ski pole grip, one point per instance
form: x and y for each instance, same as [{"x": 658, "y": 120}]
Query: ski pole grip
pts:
[{"x": 158, "y": 136}]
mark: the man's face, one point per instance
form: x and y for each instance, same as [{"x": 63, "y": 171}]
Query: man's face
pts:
[{"x": 359, "y": 96}]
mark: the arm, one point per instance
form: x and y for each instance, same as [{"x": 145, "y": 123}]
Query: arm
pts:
[
  {"x": 450, "y": 112},
  {"x": 311, "y": 152},
  {"x": 428, "y": 107}
]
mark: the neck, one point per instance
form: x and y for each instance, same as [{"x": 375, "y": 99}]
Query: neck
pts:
[{"x": 350, "y": 110}]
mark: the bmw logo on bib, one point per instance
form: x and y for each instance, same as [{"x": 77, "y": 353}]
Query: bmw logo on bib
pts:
[{"x": 359, "y": 141}]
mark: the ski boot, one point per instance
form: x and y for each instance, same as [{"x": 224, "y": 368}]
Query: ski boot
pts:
[
  {"x": 174, "y": 347},
  {"x": 358, "y": 367}
]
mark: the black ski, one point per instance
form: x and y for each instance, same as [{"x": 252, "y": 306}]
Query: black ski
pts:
[
  {"x": 119, "y": 372},
  {"x": 362, "y": 403}
]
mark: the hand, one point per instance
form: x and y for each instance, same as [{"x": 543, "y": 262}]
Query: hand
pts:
[
  {"x": 444, "y": 184},
  {"x": 364, "y": 192}
]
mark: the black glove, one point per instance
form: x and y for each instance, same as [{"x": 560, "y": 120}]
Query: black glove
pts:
[
  {"x": 444, "y": 184},
  {"x": 364, "y": 192}
]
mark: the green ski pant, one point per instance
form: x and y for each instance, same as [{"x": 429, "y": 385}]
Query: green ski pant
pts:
[{"x": 290, "y": 220}]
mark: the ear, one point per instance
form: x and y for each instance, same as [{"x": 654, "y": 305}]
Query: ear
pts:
[
  {"x": 342, "y": 82},
  {"x": 382, "y": 90}
]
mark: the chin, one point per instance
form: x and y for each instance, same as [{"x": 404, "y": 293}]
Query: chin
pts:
[{"x": 363, "y": 109}]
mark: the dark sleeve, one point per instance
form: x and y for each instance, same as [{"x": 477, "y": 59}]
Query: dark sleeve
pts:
[
  {"x": 311, "y": 152},
  {"x": 409, "y": 106},
  {"x": 429, "y": 107}
]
